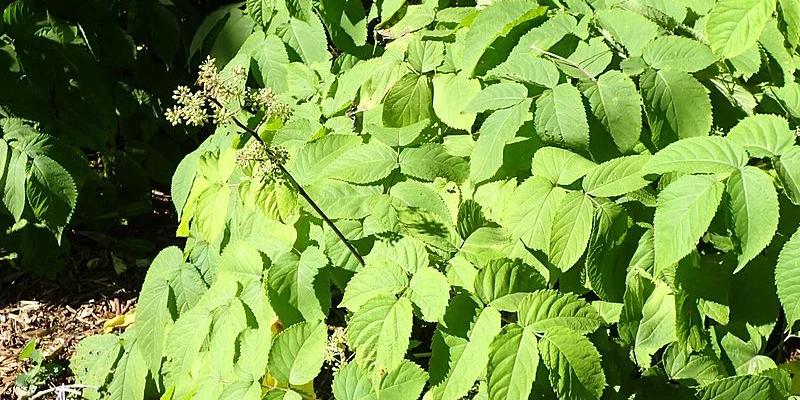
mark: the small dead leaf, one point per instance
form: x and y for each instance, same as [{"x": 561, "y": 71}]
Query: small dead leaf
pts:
[{"x": 120, "y": 321}]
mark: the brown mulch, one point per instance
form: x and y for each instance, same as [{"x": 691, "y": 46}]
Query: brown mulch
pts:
[{"x": 60, "y": 311}]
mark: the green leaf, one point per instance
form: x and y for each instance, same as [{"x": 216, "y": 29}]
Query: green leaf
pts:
[
  {"x": 424, "y": 56},
  {"x": 395, "y": 136},
  {"x": 294, "y": 286},
  {"x": 363, "y": 164},
  {"x": 307, "y": 39},
  {"x": 344, "y": 200},
  {"x": 51, "y": 192},
  {"x": 735, "y": 25},
  {"x": 560, "y": 166},
  {"x": 574, "y": 364},
  {"x": 531, "y": 217},
  {"x": 402, "y": 383},
  {"x": 260, "y": 11},
  {"x": 371, "y": 281},
  {"x": 301, "y": 9},
  {"x": 513, "y": 360},
  {"x": 408, "y": 101},
  {"x": 616, "y": 177},
  {"x": 788, "y": 169},
  {"x": 657, "y": 325},
  {"x": 750, "y": 387},
  {"x": 609, "y": 250},
  {"x": 754, "y": 210},
  {"x": 352, "y": 382},
  {"x": 561, "y": 118},
  {"x": 152, "y": 310},
  {"x": 546, "y": 310},
  {"x": 469, "y": 357},
  {"x": 450, "y": 92},
  {"x": 683, "y": 213},
  {"x": 212, "y": 210},
  {"x": 407, "y": 253},
  {"x": 297, "y": 353},
  {"x": 790, "y": 14},
  {"x": 492, "y": 23},
  {"x": 379, "y": 332},
  {"x": 281, "y": 394},
  {"x": 572, "y": 226},
  {"x": 130, "y": 376},
  {"x": 93, "y": 361},
  {"x": 503, "y": 283},
  {"x": 676, "y": 104},
  {"x": 316, "y": 156},
  {"x": 387, "y": 8},
  {"x": 631, "y": 30},
  {"x": 239, "y": 260},
  {"x": 496, "y": 131},
  {"x": 593, "y": 56},
  {"x": 431, "y": 161},
  {"x": 678, "y": 53},
  {"x": 787, "y": 278},
  {"x": 699, "y": 368},
  {"x": 617, "y": 105},
  {"x": 711, "y": 155},
  {"x": 525, "y": 69},
  {"x": 271, "y": 60},
  {"x": 405, "y": 382},
  {"x": 763, "y": 135},
  {"x": 496, "y": 97},
  {"x": 346, "y": 21},
  {"x": 430, "y": 292}
]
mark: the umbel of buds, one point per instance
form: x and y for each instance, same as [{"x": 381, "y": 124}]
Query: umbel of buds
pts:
[
  {"x": 215, "y": 90},
  {"x": 265, "y": 164}
]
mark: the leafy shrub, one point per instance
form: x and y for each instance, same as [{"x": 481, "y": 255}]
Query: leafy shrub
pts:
[
  {"x": 596, "y": 199},
  {"x": 85, "y": 77}
]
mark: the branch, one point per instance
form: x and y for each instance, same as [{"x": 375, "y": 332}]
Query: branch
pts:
[
  {"x": 299, "y": 188},
  {"x": 565, "y": 61},
  {"x": 63, "y": 388}
]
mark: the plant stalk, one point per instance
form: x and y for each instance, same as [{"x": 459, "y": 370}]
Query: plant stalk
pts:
[{"x": 300, "y": 190}]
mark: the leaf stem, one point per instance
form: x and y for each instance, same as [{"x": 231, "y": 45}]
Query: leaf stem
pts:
[
  {"x": 566, "y": 61},
  {"x": 299, "y": 188}
]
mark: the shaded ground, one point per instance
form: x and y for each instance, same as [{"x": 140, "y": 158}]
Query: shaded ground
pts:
[{"x": 60, "y": 312}]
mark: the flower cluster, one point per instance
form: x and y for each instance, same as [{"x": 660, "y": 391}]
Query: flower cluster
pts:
[
  {"x": 217, "y": 89},
  {"x": 265, "y": 162},
  {"x": 191, "y": 108},
  {"x": 266, "y": 100},
  {"x": 336, "y": 349}
]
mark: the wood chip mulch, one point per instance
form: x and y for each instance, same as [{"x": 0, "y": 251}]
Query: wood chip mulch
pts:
[
  {"x": 62, "y": 314},
  {"x": 60, "y": 311}
]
